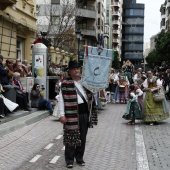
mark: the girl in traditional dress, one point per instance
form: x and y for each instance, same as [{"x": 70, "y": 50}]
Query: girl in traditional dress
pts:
[
  {"x": 132, "y": 110},
  {"x": 121, "y": 93},
  {"x": 153, "y": 111},
  {"x": 139, "y": 93}
]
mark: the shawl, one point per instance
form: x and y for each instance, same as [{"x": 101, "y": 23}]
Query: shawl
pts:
[
  {"x": 71, "y": 128},
  {"x": 153, "y": 83}
]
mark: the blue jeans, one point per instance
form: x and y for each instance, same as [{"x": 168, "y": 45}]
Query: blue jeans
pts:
[{"x": 45, "y": 104}]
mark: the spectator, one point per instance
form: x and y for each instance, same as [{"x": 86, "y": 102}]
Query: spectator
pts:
[
  {"x": 4, "y": 80},
  {"x": 53, "y": 70},
  {"x": 20, "y": 69},
  {"x": 21, "y": 94},
  {"x": 37, "y": 100},
  {"x": 9, "y": 67}
]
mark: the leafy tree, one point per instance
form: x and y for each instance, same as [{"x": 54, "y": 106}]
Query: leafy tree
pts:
[
  {"x": 116, "y": 62},
  {"x": 161, "y": 52}
]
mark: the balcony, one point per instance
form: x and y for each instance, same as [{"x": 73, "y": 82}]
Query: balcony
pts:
[
  {"x": 168, "y": 4},
  {"x": 116, "y": 22},
  {"x": 115, "y": 41},
  {"x": 115, "y": 31},
  {"x": 115, "y": 4},
  {"x": 87, "y": 12},
  {"x": 87, "y": 30},
  {"x": 116, "y": 13},
  {"x": 6, "y": 3}
]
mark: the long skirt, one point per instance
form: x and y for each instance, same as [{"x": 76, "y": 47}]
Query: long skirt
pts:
[
  {"x": 119, "y": 95},
  {"x": 132, "y": 111},
  {"x": 154, "y": 111}
]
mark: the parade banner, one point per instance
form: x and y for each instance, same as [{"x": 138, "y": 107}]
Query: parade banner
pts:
[{"x": 96, "y": 68}]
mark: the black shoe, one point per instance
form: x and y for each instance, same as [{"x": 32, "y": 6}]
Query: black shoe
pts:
[
  {"x": 81, "y": 163},
  {"x": 69, "y": 165}
]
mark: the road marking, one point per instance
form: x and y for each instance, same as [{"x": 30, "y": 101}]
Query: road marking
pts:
[
  {"x": 35, "y": 158},
  {"x": 59, "y": 136},
  {"x": 54, "y": 160},
  {"x": 141, "y": 156},
  {"x": 49, "y": 146},
  {"x": 63, "y": 148}
]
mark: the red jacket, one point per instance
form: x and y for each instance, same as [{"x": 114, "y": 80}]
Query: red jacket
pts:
[{"x": 18, "y": 83}]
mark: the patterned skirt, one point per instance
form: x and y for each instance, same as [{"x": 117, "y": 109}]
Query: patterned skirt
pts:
[
  {"x": 154, "y": 111},
  {"x": 132, "y": 111}
]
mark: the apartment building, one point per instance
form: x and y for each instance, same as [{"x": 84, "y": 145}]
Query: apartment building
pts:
[
  {"x": 165, "y": 16},
  {"x": 108, "y": 25},
  {"x": 116, "y": 6},
  {"x": 17, "y": 29},
  {"x": 133, "y": 31}
]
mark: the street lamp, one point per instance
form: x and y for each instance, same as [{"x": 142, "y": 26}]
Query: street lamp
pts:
[{"x": 78, "y": 35}]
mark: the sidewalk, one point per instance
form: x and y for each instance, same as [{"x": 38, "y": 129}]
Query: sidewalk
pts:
[{"x": 16, "y": 120}]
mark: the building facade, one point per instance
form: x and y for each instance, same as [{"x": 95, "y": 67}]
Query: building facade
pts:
[
  {"x": 116, "y": 6},
  {"x": 165, "y": 16},
  {"x": 17, "y": 29},
  {"x": 133, "y": 31}
]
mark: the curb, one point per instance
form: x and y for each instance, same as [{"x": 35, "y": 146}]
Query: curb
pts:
[{"x": 21, "y": 122}]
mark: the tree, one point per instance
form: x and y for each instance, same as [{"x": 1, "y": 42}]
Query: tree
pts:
[
  {"x": 58, "y": 20},
  {"x": 116, "y": 62},
  {"x": 161, "y": 53}
]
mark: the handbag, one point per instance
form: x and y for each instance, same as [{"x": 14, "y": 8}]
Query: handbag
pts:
[
  {"x": 9, "y": 104},
  {"x": 56, "y": 109},
  {"x": 159, "y": 96}
]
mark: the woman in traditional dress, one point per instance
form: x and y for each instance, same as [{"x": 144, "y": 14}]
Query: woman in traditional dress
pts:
[
  {"x": 132, "y": 110},
  {"x": 153, "y": 111},
  {"x": 121, "y": 93}
]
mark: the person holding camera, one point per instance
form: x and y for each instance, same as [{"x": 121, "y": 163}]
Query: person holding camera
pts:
[
  {"x": 37, "y": 100},
  {"x": 74, "y": 115}
]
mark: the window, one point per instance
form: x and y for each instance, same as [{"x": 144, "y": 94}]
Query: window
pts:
[
  {"x": 55, "y": 1},
  {"x": 134, "y": 12},
  {"x": 133, "y": 47},
  {"x": 20, "y": 48},
  {"x": 55, "y": 20},
  {"x": 134, "y": 29}
]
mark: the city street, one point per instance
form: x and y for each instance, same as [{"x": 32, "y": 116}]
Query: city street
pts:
[{"x": 111, "y": 145}]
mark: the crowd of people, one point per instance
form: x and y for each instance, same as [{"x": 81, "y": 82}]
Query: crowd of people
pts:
[
  {"x": 145, "y": 94},
  {"x": 11, "y": 73}
]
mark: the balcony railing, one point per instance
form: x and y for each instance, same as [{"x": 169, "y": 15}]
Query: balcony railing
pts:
[
  {"x": 87, "y": 30},
  {"x": 88, "y": 7},
  {"x": 87, "y": 11},
  {"x": 116, "y": 13},
  {"x": 117, "y": 4},
  {"x": 115, "y": 31},
  {"x": 116, "y": 22},
  {"x": 115, "y": 41},
  {"x": 6, "y": 3}
]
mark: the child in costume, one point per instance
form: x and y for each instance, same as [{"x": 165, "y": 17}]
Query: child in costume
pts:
[{"x": 132, "y": 109}]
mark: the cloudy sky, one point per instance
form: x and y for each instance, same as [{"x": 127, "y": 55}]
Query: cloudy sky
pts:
[{"x": 152, "y": 17}]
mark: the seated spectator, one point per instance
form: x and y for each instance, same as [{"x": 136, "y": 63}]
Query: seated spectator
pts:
[
  {"x": 20, "y": 69},
  {"x": 4, "y": 80},
  {"x": 53, "y": 70},
  {"x": 9, "y": 67},
  {"x": 37, "y": 100},
  {"x": 21, "y": 94}
]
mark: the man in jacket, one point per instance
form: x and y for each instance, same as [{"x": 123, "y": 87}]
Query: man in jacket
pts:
[{"x": 74, "y": 115}]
